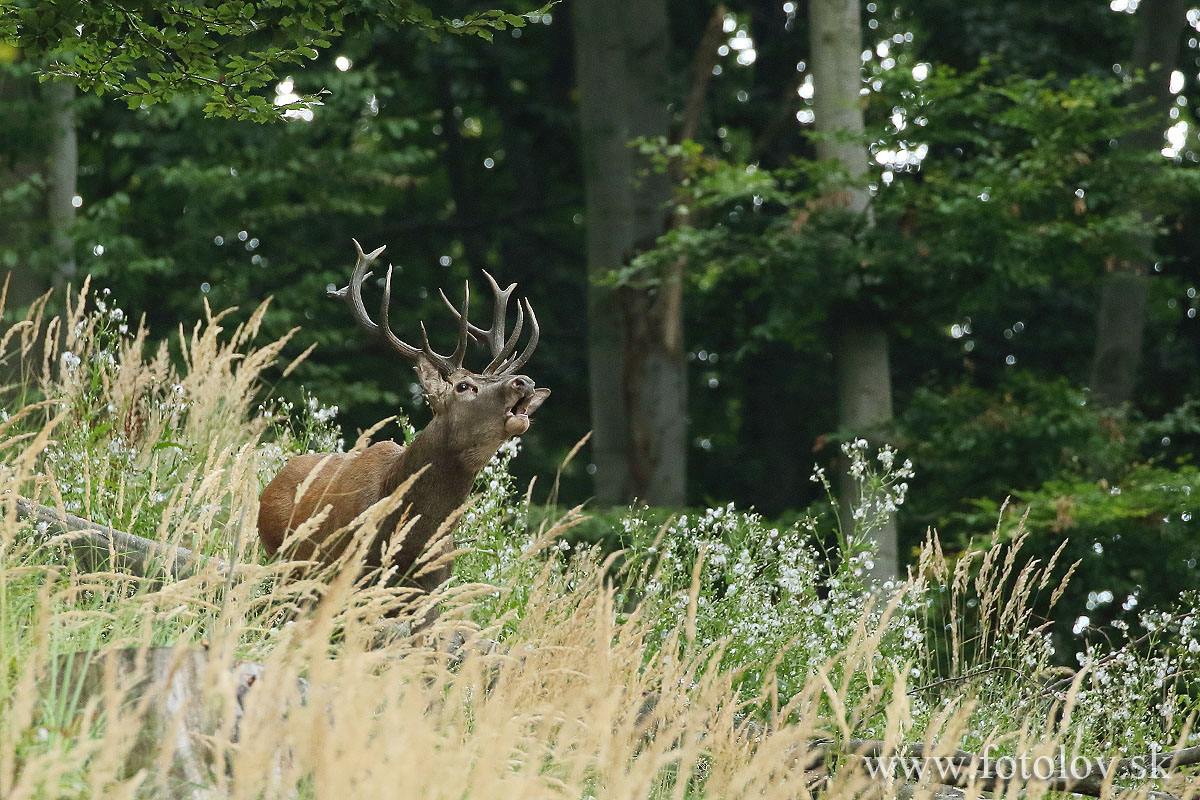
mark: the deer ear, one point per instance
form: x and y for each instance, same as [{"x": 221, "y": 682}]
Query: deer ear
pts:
[{"x": 431, "y": 380}]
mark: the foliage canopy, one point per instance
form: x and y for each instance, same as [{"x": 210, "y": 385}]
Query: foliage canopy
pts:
[{"x": 149, "y": 53}]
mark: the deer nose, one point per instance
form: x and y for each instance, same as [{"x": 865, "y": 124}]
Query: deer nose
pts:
[{"x": 522, "y": 384}]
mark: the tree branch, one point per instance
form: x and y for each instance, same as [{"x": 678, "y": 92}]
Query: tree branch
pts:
[
  {"x": 969, "y": 676},
  {"x": 702, "y": 67},
  {"x": 1067, "y": 680}
]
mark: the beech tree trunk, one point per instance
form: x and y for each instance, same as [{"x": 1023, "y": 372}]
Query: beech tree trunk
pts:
[
  {"x": 861, "y": 343},
  {"x": 63, "y": 168},
  {"x": 864, "y": 405},
  {"x": 1122, "y": 313},
  {"x": 607, "y": 166},
  {"x": 636, "y": 361}
]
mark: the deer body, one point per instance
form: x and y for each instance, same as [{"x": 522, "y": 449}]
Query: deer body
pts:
[{"x": 474, "y": 413}]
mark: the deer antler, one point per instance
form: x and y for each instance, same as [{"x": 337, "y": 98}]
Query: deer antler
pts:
[
  {"x": 502, "y": 362},
  {"x": 352, "y": 294}
]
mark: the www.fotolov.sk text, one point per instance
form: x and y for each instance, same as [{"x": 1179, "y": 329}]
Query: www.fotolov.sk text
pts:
[{"x": 1057, "y": 766}]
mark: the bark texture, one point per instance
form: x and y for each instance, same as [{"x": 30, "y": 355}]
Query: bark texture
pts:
[
  {"x": 861, "y": 344},
  {"x": 836, "y": 31},
  {"x": 636, "y": 361}
]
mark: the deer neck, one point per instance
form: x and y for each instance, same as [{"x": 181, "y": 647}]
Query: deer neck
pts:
[
  {"x": 447, "y": 476},
  {"x": 447, "y": 473}
]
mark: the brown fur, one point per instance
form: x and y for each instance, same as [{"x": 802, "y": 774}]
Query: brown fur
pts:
[
  {"x": 349, "y": 483},
  {"x": 467, "y": 428}
]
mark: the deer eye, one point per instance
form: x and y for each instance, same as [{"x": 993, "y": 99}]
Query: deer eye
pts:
[{"x": 462, "y": 387}]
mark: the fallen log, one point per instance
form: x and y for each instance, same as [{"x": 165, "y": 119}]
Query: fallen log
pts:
[{"x": 95, "y": 545}]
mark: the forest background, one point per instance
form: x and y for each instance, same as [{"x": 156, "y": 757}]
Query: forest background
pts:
[{"x": 1017, "y": 304}]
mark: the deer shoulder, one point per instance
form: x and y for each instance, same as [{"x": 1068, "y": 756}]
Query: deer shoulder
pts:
[{"x": 347, "y": 483}]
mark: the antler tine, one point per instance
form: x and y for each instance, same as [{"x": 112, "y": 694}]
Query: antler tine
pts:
[
  {"x": 352, "y": 294},
  {"x": 444, "y": 365},
  {"x": 455, "y": 361},
  {"x": 477, "y": 333},
  {"x": 519, "y": 361},
  {"x": 495, "y": 334},
  {"x": 509, "y": 346},
  {"x": 464, "y": 326},
  {"x": 397, "y": 344}
]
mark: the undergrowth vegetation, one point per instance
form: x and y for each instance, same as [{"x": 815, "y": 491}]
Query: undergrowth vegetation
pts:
[{"x": 710, "y": 656}]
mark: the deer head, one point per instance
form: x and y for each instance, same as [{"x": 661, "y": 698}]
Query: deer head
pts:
[{"x": 474, "y": 412}]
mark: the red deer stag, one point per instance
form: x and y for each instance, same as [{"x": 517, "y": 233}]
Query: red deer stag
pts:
[{"x": 473, "y": 414}]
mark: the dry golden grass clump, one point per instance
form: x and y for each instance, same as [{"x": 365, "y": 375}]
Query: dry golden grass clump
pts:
[{"x": 244, "y": 681}]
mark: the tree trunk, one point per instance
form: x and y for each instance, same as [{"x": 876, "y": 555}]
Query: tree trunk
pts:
[
  {"x": 63, "y": 168},
  {"x": 865, "y": 404},
  {"x": 836, "y": 31},
  {"x": 21, "y": 228},
  {"x": 656, "y": 393},
  {"x": 636, "y": 361},
  {"x": 1119, "y": 324},
  {"x": 1122, "y": 314},
  {"x": 607, "y": 168},
  {"x": 655, "y": 382},
  {"x": 861, "y": 345}
]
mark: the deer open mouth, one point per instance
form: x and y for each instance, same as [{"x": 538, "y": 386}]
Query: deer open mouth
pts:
[
  {"x": 521, "y": 407},
  {"x": 516, "y": 418}
]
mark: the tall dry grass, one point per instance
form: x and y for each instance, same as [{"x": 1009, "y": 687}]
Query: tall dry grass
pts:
[{"x": 587, "y": 694}]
